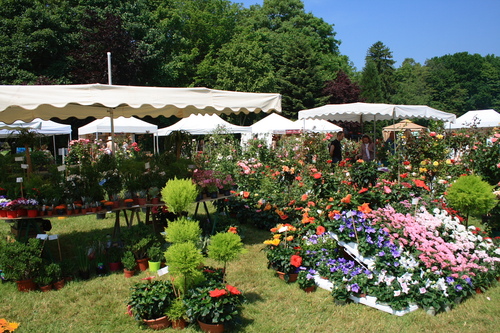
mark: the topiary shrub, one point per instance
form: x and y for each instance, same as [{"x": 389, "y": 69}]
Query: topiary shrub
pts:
[
  {"x": 471, "y": 195},
  {"x": 183, "y": 230},
  {"x": 225, "y": 247},
  {"x": 178, "y": 194},
  {"x": 183, "y": 260}
]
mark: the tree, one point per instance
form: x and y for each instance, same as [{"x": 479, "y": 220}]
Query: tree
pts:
[
  {"x": 381, "y": 56},
  {"x": 371, "y": 84},
  {"x": 342, "y": 90},
  {"x": 412, "y": 89}
]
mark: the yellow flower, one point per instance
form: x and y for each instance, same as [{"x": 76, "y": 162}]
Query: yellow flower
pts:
[
  {"x": 423, "y": 163},
  {"x": 289, "y": 238},
  {"x": 275, "y": 242},
  {"x": 422, "y": 170},
  {"x": 436, "y": 163},
  {"x": 448, "y": 161},
  {"x": 439, "y": 136},
  {"x": 277, "y": 236}
]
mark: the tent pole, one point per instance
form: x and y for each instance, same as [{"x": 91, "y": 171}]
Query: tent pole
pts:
[{"x": 54, "y": 143}]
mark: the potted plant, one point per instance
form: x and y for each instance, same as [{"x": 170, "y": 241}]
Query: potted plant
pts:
[
  {"x": 57, "y": 276},
  {"x": 129, "y": 264},
  {"x": 83, "y": 263},
  {"x": 213, "y": 304},
  {"x": 176, "y": 312},
  {"x": 183, "y": 230},
  {"x": 21, "y": 262},
  {"x": 114, "y": 254},
  {"x": 225, "y": 247},
  {"x": 153, "y": 193},
  {"x": 155, "y": 255},
  {"x": 184, "y": 260},
  {"x": 150, "y": 300},
  {"x": 46, "y": 277},
  {"x": 178, "y": 194},
  {"x": 305, "y": 279},
  {"x": 340, "y": 293}
]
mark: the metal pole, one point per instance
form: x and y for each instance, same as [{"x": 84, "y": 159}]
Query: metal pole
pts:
[{"x": 110, "y": 82}]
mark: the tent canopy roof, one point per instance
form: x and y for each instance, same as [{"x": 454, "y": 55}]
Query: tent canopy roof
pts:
[
  {"x": 274, "y": 123},
  {"x": 21, "y": 102},
  {"x": 479, "y": 118},
  {"x": 317, "y": 125},
  {"x": 44, "y": 127},
  {"x": 121, "y": 125},
  {"x": 199, "y": 124},
  {"x": 403, "y": 126},
  {"x": 374, "y": 111}
]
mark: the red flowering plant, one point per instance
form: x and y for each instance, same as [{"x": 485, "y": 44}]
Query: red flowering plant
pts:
[
  {"x": 213, "y": 302},
  {"x": 283, "y": 251}
]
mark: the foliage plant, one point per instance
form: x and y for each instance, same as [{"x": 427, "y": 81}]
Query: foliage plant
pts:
[
  {"x": 178, "y": 194},
  {"x": 213, "y": 303},
  {"x": 225, "y": 247},
  {"x": 19, "y": 260},
  {"x": 150, "y": 299},
  {"x": 128, "y": 261},
  {"x": 176, "y": 310},
  {"x": 471, "y": 195},
  {"x": 155, "y": 253},
  {"x": 183, "y": 230},
  {"x": 183, "y": 261},
  {"x": 305, "y": 278}
]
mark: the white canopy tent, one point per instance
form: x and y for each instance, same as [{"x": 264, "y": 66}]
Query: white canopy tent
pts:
[
  {"x": 63, "y": 101},
  {"x": 42, "y": 127},
  {"x": 121, "y": 124},
  {"x": 373, "y": 111},
  {"x": 318, "y": 126},
  {"x": 199, "y": 124},
  {"x": 271, "y": 124},
  {"x": 477, "y": 118}
]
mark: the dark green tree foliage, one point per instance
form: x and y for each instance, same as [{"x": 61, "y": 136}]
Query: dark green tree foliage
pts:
[
  {"x": 371, "y": 85},
  {"x": 381, "y": 56},
  {"x": 34, "y": 37},
  {"x": 411, "y": 85},
  {"x": 463, "y": 81},
  {"x": 342, "y": 90}
]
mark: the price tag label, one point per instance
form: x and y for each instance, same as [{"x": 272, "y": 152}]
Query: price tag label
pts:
[
  {"x": 24, "y": 166},
  {"x": 146, "y": 165},
  {"x": 19, "y": 179},
  {"x": 61, "y": 168},
  {"x": 414, "y": 201},
  {"x": 19, "y": 159},
  {"x": 162, "y": 271}
]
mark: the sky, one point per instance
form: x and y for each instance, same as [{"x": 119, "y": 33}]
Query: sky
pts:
[{"x": 418, "y": 29}]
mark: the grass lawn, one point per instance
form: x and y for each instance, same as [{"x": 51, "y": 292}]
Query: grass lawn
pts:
[{"x": 98, "y": 304}]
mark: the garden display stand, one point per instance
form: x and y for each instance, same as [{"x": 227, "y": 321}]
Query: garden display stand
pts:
[{"x": 352, "y": 249}]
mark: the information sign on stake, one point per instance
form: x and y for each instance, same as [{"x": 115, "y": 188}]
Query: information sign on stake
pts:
[
  {"x": 19, "y": 179},
  {"x": 162, "y": 271},
  {"x": 19, "y": 159},
  {"x": 61, "y": 168},
  {"x": 24, "y": 166},
  {"x": 146, "y": 165}
]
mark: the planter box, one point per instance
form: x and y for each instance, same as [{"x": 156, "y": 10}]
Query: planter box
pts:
[{"x": 368, "y": 300}]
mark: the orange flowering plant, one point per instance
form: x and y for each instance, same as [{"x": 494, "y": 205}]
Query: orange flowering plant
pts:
[
  {"x": 6, "y": 326},
  {"x": 283, "y": 250}
]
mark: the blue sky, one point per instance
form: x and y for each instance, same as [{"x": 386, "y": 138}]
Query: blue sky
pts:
[{"x": 420, "y": 29}]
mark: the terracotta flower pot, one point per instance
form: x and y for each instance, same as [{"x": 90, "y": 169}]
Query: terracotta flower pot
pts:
[
  {"x": 292, "y": 277},
  {"x": 128, "y": 274},
  {"x": 59, "y": 284},
  {"x": 309, "y": 289},
  {"x": 46, "y": 288},
  {"x": 26, "y": 285},
  {"x": 143, "y": 264},
  {"x": 179, "y": 324},
  {"x": 212, "y": 328},
  {"x": 158, "y": 324}
]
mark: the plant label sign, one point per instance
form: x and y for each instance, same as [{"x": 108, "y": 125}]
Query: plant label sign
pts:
[
  {"x": 146, "y": 165},
  {"x": 162, "y": 271},
  {"x": 19, "y": 179},
  {"x": 24, "y": 166},
  {"x": 19, "y": 159},
  {"x": 61, "y": 168}
]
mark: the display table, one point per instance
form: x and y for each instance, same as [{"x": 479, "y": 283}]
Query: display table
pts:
[
  {"x": 31, "y": 226},
  {"x": 210, "y": 199}
]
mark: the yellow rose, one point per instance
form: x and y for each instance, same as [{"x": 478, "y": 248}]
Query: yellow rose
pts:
[
  {"x": 436, "y": 163},
  {"x": 448, "y": 161},
  {"x": 439, "y": 136},
  {"x": 423, "y": 163},
  {"x": 422, "y": 170}
]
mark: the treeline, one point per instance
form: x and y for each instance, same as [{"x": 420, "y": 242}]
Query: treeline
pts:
[{"x": 276, "y": 47}]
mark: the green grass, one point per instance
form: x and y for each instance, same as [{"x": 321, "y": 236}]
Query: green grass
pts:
[{"x": 98, "y": 305}]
